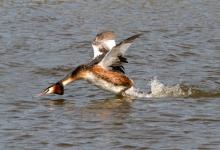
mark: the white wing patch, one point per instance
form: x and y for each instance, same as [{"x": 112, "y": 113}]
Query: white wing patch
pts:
[
  {"x": 109, "y": 44},
  {"x": 106, "y": 44},
  {"x": 96, "y": 51}
]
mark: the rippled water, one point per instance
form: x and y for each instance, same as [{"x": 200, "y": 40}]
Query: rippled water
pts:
[{"x": 177, "y": 58}]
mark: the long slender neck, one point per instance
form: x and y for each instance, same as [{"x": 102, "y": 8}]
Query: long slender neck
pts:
[
  {"x": 73, "y": 76},
  {"x": 68, "y": 79}
]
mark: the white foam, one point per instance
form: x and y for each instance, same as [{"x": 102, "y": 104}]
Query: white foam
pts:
[
  {"x": 158, "y": 89},
  {"x": 134, "y": 92}
]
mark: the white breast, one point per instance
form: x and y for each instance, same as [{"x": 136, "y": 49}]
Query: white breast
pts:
[{"x": 104, "y": 84}]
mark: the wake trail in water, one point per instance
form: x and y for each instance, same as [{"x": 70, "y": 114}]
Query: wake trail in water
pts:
[{"x": 158, "y": 89}]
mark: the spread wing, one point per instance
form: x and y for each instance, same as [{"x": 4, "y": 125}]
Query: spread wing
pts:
[
  {"x": 117, "y": 68},
  {"x": 116, "y": 55}
]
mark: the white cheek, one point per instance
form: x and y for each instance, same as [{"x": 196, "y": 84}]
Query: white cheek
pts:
[
  {"x": 50, "y": 90},
  {"x": 110, "y": 44}
]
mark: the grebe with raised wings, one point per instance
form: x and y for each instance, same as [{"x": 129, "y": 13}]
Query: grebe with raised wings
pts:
[{"x": 100, "y": 71}]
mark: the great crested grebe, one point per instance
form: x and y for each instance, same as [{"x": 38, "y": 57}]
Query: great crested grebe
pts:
[{"x": 100, "y": 71}]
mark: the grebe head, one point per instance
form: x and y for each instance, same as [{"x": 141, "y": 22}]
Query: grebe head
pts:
[{"x": 56, "y": 88}]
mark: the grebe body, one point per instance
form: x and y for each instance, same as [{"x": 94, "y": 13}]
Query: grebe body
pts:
[{"x": 104, "y": 71}]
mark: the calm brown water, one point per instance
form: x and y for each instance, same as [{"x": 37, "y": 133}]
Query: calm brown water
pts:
[{"x": 42, "y": 40}]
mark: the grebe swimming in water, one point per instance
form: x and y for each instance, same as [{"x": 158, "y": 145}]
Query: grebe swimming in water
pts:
[{"x": 105, "y": 70}]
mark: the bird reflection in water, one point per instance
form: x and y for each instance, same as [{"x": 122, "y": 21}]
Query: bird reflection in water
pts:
[{"x": 99, "y": 109}]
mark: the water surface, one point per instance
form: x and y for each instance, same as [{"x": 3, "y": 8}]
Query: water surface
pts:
[{"x": 177, "y": 57}]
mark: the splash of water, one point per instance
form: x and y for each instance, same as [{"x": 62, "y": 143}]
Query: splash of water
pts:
[{"x": 158, "y": 89}]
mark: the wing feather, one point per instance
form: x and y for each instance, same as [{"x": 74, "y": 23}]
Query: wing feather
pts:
[{"x": 115, "y": 55}]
